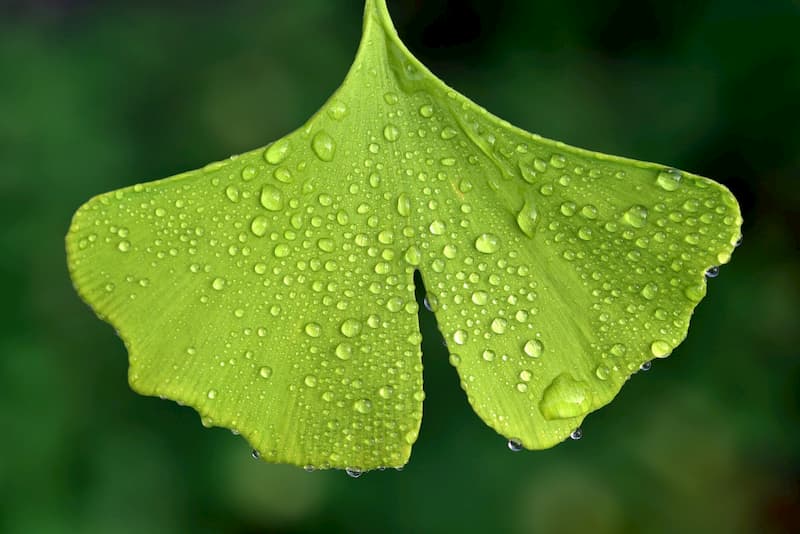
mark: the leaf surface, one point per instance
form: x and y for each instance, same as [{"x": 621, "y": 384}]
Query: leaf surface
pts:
[{"x": 273, "y": 292}]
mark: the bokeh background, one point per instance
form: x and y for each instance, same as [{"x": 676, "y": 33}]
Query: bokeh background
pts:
[{"x": 99, "y": 95}]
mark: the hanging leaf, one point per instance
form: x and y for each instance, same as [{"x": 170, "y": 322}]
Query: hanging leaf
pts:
[{"x": 274, "y": 291}]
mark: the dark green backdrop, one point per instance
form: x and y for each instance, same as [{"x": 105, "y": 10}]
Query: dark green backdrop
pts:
[{"x": 97, "y": 95}]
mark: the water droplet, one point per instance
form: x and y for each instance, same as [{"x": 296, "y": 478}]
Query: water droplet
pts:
[
  {"x": 426, "y": 111},
  {"x": 487, "y": 243},
  {"x": 413, "y": 255},
  {"x": 337, "y": 110},
  {"x": 660, "y": 349},
  {"x": 350, "y": 328},
  {"x": 310, "y": 381},
  {"x": 313, "y": 329},
  {"x": 403, "y": 205},
  {"x": 124, "y": 246},
  {"x": 460, "y": 337},
  {"x": 353, "y": 472},
  {"x": 712, "y": 271},
  {"x": 499, "y": 325},
  {"x": 277, "y": 151},
  {"x": 437, "y": 227},
  {"x": 568, "y": 209},
  {"x": 218, "y": 284},
  {"x": 650, "y": 291},
  {"x": 391, "y": 98},
  {"x": 282, "y": 174},
  {"x": 527, "y": 218},
  {"x": 514, "y": 445},
  {"x": 254, "y": 453},
  {"x": 636, "y": 216},
  {"x": 480, "y": 298},
  {"x": 576, "y": 434},
  {"x": 391, "y": 133},
  {"x": 271, "y": 198},
  {"x": 212, "y": 394},
  {"x": 533, "y": 348},
  {"x": 344, "y": 351},
  {"x": 363, "y": 406},
  {"x": 324, "y": 146},
  {"x": 738, "y": 240},
  {"x": 265, "y": 372},
  {"x": 488, "y": 355},
  {"x": 646, "y": 365},
  {"x": 386, "y": 392},
  {"x": 669, "y": 179},
  {"x": 585, "y": 233},
  {"x": 448, "y": 133},
  {"x": 565, "y": 398},
  {"x": 259, "y": 226},
  {"x": 602, "y": 372}
]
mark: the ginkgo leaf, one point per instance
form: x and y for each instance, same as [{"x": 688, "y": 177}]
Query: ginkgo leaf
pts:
[{"x": 274, "y": 291}]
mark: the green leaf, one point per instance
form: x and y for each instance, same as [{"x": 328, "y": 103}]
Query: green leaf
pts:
[{"x": 274, "y": 291}]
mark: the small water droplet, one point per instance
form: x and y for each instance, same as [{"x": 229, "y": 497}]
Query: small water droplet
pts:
[
  {"x": 514, "y": 445},
  {"x": 310, "y": 381},
  {"x": 386, "y": 392},
  {"x": 265, "y": 372},
  {"x": 353, "y": 472},
  {"x": 124, "y": 246},
  {"x": 650, "y": 291},
  {"x": 487, "y": 243},
  {"x": 212, "y": 394},
  {"x": 480, "y": 298},
  {"x": 646, "y": 365},
  {"x": 324, "y": 146},
  {"x": 712, "y": 271},
  {"x": 254, "y": 453},
  {"x": 576, "y": 434}
]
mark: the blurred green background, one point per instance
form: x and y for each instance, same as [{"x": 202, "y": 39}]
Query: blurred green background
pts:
[{"x": 99, "y": 95}]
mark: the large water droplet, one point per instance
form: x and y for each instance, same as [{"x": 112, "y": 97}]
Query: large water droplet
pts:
[
  {"x": 487, "y": 243},
  {"x": 669, "y": 179},
  {"x": 313, "y": 329},
  {"x": 218, "y": 284},
  {"x": 391, "y": 133},
  {"x": 660, "y": 348},
  {"x": 344, "y": 351},
  {"x": 259, "y": 226},
  {"x": 350, "y": 328},
  {"x": 565, "y": 397},
  {"x": 324, "y": 146},
  {"x": 403, "y": 205},
  {"x": 533, "y": 348},
  {"x": 277, "y": 151},
  {"x": 363, "y": 406},
  {"x": 527, "y": 218},
  {"x": 271, "y": 198}
]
